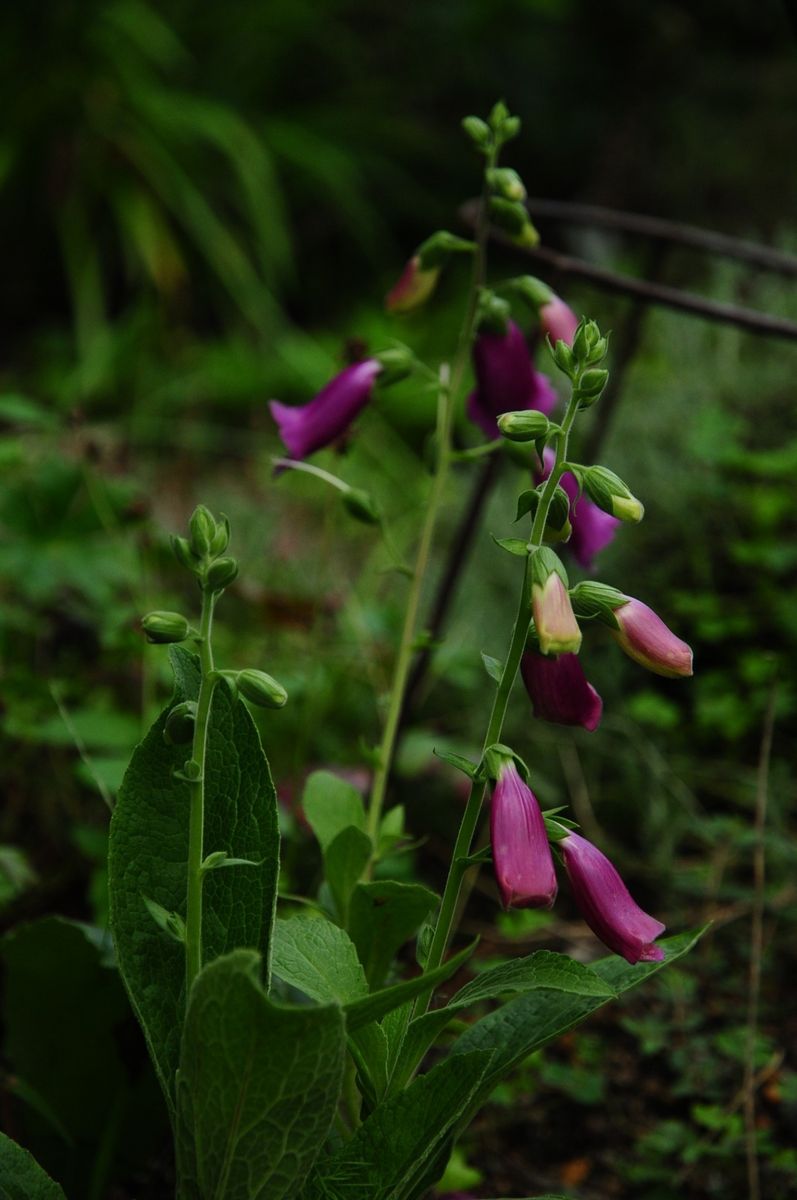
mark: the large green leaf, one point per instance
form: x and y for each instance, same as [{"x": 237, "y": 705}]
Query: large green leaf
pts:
[
  {"x": 319, "y": 958},
  {"x": 148, "y": 849},
  {"x": 402, "y": 1139},
  {"x": 382, "y": 916},
  {"x": 21, "y": 1177},
  {"x": 371, "y": 1008},
  {"x": 530, "y": 1021},
  {"x": 543, "y": 969},
  {"x": 257, "y": 1089}
]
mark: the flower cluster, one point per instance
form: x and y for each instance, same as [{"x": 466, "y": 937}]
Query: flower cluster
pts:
[{"x": 526, "y": 878}]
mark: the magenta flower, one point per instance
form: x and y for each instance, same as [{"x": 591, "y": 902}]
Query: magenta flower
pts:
[
  {"x": 505, "y": 379},
  {"x": 558, "y": 321},
  {"x": 308, "y": 427},
  {"x": 522, "y": 859},
  {"x": 593, "y": 529},
  {"x": 559, "y": 690},
  {"x": 606, "y": 904},
  {"x": 645, "y": 638}
]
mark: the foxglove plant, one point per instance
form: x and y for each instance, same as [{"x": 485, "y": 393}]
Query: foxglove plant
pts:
[{"x": 326, "y": 1098}]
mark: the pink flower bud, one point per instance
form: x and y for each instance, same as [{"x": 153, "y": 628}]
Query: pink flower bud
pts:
[
  {"x": 505, "y": 379},
  {"x": 413, "y": 287},
  {"x": 522, "y": 858},
  {"x": 554, "y": 620},
  {"x": 606, "y": 904},
  {"x": 559, "y": 690},
  {"x": 558, "y": 321},
  {"x": 308, "y": 427},
  {"x": 645, "y": 638}
]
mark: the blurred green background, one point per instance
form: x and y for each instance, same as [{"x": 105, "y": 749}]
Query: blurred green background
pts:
[{"x": 201, "y": 206}]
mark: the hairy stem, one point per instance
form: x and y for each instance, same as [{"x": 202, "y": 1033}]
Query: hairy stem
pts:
[
  {"x": 196, "y": 820},
  {"x": 478, "y": 793}
]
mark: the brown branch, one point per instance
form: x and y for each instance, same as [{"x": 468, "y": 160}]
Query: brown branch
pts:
[{"x": 646, "y": 292}]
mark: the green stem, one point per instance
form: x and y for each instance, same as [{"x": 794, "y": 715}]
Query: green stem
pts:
[
  {"x": 196, "y": 820},
  {"x": 478, "y": 793},
  {"x": 406, "y": 647}
]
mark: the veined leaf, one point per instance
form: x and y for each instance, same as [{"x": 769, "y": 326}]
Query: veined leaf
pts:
[
  {"x": 319, "y": 958},
  {"x": 372, "y": 1008},
  {"x": 330, "y": 805},
  {"x": 383, "y": 915},
  {"x": 21, "y": 1177},
  {"x": 257, "y": 1088},
  {"x": 148, "y": 851}
]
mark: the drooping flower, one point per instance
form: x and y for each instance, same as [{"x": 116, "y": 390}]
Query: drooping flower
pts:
[
  {"x": 554, "y": 620},
  {"x": 645, "y": 638},
  {"x": 522, "y": 859},
  {"x": 559, "y": 690},
  {"x": 558, "y": 321},
  {"x": 506, "y": 380},
  {"x": 413, "y": 287},
  {"x": 607, "y": 905},
  {"x": 309, "y": 427},
  {"x": 593, "y": 529}
]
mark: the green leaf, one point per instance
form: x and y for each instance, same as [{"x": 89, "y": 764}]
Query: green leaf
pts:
[
  {"x": 318, "y": 958},
  {"x": 458, "y": 760},
  {"x": 382, "y": 916},
  {"x": 148, "y": 850},
  {"x": 21, "y": 1177},
  {"x": 532, "y": 1020},
  {"x": 331, "y": 805},
  {"x": 372, "y": 1008},
  {"x": 395, "y": 1148},
  {"x": 544, "y": 969},
  {"x": 258, "y": 1086},
  {"x": 53, "y": 957},
  {"x": 493, "y": 666},
  {"x": 516, "y": 546},
  {"x": 345, "y": 859},
  {"x": 527, "y": 502}
]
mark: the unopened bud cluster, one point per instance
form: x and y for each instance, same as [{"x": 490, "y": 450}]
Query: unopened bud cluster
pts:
[{"x": 202, "y": 552}]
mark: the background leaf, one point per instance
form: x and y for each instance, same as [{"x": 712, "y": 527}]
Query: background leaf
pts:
[
  {"x": 148, "y": 847},
  {"x": 258, "y": 1085},
  {"x": 382, "y": 916},
  {"x": 319, "y": 958},
  {"x": 21, "y": 1177},
  {"x": 330, "y": 805}
]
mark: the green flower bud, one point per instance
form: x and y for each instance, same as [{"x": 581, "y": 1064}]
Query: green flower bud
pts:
[
  {"x": 477, "y": 130},
  {"x": 590, "y": 386},
  {"x": 182, "y": 552},
  {"x": 361, "y": 506},
  {"x": 609, "y": 492},
  {"x": 523, "y": 426},
  {"x": 494, "y": 313},
  {"x": 221, "y": 573},
  {"x": 179, "y": 727},
  {"x": 591, "y": 598},
  {"x": 564, "y": 358},
  {"x": 202, "y": 527},
  {"x": 397, "y": 363},
  {"x": 221, "y": 539},
  {"x": 261, "y": 689},
  {"x": 512, "y": 217},
  {"x": 558, "y": 523},
  {"x": 507, "y": 183},
  {"x": 437, "y": 249},
  {"x": 532, "y": 290},
  {"x": 162, "y": 628}
]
